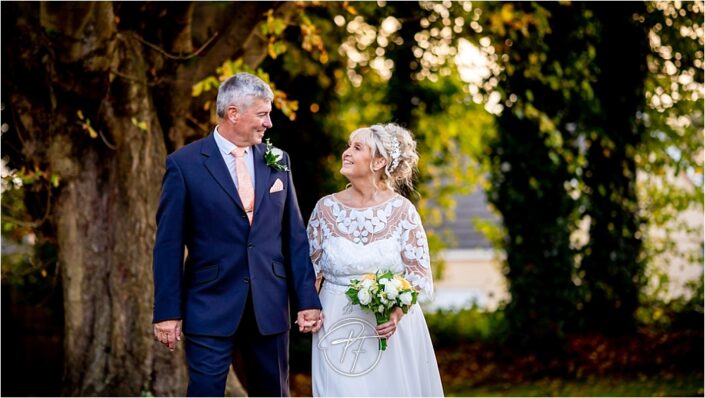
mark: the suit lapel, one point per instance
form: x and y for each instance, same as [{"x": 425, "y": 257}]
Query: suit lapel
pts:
[
  {"x": 214, "y": 163},
  {"x": 262, "y": 172}
]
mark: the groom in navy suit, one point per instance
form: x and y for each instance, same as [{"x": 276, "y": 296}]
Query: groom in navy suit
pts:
[{"x": 235, "y": 212}]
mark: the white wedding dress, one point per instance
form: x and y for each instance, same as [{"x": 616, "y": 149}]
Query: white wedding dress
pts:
[{"x": 347, "y": 243}]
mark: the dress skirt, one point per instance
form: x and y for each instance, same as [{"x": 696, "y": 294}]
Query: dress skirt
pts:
[{"x": 347, "y": 361}]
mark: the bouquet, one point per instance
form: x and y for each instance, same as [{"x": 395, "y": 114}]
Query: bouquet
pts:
[{"x": 379, "y": 293}]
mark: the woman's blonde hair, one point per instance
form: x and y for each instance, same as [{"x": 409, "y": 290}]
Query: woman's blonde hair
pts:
[{"x": 398, "y": 147}]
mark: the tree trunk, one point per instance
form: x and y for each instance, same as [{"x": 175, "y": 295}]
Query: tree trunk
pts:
[
  {"x": 529, "y": 174},
  {"x": 107, "y": 279},
  {"x": 614, "y": 270}
]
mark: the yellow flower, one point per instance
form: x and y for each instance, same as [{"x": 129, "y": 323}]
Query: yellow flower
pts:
[
  {"x": 368, "y": 277},
  {"x": 404, "y": 283}
]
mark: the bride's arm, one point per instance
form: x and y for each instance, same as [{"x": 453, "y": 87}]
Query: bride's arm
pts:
[
  {"x": 319, "y": 281},
  {"x": 315, "y": 240},
  {"x": 415, "y": 253}
]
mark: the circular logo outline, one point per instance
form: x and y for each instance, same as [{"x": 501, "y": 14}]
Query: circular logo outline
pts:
[{"x": 350, "y": 322}]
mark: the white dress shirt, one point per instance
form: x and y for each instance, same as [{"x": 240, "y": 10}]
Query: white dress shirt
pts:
[{"x": 226, "y": 147}]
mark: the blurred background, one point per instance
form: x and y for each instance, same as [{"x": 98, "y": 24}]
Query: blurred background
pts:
[{"x": 560, "y": 180}]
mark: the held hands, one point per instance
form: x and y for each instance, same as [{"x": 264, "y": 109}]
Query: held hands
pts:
[
  {"x": 309, "y": 320},
  {"x": 168, "y": 333},
  {"x": 387, "y": 329}
]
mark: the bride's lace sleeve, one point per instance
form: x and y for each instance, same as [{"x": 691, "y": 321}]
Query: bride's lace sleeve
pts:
[
  {"x": 415, "y": 253},
  {"x": 315, "y": 238}
]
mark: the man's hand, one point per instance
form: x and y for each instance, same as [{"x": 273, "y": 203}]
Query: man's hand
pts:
[
  {"x": 168, "y": 333},
  {"x": 309, "y": 320}
]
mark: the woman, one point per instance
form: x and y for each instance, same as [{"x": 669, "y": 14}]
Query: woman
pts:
[{"x": 363, "y": 229}]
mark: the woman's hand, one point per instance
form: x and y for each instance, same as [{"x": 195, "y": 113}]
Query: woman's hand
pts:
[{"x": 387, "y": 329}]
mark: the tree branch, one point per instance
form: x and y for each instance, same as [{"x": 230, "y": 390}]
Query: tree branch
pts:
[
  {"x": 247, "y": 15},
  {"x": 255, "y": 47},
  {"x": 172, "y": 56}
]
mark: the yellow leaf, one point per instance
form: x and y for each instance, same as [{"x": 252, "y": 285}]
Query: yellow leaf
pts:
[
  {"x": 507, "y": 12},
  {"x": 211, "y": 82},
  {"x": 350, "y": 9},
  {"x": 91, "y": 131},
  {"x": 227, "y": 69},
  {"x": 197, "y": 89},
  {"x": 533, "y": 58},
  {"x": 142, "y": 125}
]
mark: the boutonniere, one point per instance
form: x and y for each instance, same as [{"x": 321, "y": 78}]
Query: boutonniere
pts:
[{"x": 273, "y": 157}]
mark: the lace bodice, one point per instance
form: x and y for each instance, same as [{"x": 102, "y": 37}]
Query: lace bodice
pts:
[{"x": 348, "y": 242}]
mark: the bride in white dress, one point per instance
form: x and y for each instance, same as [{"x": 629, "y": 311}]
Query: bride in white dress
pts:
[{"x": 363, "y": 229}]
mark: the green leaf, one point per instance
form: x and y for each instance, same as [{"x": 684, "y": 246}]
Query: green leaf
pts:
[{"x": 55, "y": 180}]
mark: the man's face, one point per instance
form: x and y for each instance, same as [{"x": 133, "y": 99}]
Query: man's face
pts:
[{"x": 253, "y": 121}]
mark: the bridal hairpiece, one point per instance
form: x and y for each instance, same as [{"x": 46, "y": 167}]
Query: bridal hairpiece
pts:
[{"x": 395, "y": 153}]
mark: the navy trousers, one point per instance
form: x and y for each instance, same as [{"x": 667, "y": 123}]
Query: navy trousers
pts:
[{"x": 266, "y": 360}]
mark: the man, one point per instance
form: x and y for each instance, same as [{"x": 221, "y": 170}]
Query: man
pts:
[{"x": 247, "y": 250}]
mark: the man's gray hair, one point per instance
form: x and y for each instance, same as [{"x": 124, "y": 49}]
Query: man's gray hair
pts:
[{"x": 239, "y": 90}]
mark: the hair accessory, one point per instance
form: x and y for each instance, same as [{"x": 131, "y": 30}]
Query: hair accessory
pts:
[{"x": 395, "y": 153}]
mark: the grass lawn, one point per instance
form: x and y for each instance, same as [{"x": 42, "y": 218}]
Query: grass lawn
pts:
[{"x": 676, "y": 386}]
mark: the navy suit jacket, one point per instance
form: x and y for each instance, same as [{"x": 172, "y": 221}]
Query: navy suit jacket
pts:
[{"x": 226, "y": 258}]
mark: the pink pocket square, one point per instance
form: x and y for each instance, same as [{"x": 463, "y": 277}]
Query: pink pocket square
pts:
[{"x": 277, "y": 186}]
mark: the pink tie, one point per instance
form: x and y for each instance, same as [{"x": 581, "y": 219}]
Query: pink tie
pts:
[{"x": 244, "y": 182}]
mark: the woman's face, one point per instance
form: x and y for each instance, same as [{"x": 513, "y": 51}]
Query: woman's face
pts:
[{"x": 356, "y": 159}]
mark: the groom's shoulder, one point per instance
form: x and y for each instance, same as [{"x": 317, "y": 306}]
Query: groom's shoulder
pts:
[{"x": 191, "y": 150}]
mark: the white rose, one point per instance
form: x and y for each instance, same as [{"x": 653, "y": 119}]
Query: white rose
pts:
[
  {"x": 380, "y": 310},
  {"x": 405, "y": 298},
  {"x": 364, "y": 296},
  {"x": 396, "y": 283},
  {"x": 277, "y": 153},
  {"x": 367, "y": 283},
  {"x": 391, "y": 291}
]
